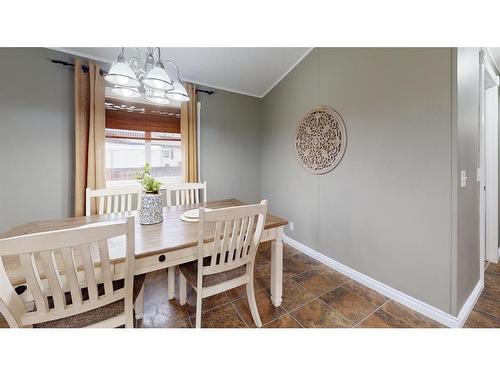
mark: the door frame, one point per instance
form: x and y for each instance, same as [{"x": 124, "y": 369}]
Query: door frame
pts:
[{"x": 488, "y": 162}]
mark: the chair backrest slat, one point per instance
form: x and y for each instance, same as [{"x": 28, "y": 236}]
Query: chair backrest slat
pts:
[
  {"x": 101, "y": 207},
  {"x": 105, "y": 267},
  {"x": 46, "y": 277},
  {"x": 236, "y": 235},
  {"x": 71, "y": 276},
  {"x": 53, "y": 278},
  {"x": 129, "y": 202},
  {"x": 248, "y": 236},
  {"x": 186, "y": 193},
  {"x": 216, "y": 243},
  {"x": 113, "y": 200},
  {"x": 32, "y": 276},
  {"x": 88, "y": 269},
  {"x": 242, "y": 236}
]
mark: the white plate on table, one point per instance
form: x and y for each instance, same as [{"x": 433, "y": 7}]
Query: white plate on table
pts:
[{"x": 191, "y": 216}]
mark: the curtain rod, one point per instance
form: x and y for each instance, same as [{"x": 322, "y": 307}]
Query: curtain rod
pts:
[{"x": 85, "y": 69}]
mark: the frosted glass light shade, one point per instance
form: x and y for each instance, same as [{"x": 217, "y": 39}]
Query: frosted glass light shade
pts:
[
  {"x": 122, "y": 75},
  {"x": 126, "y": 92},
  {"x": 157, "y": 97},
  {"x": 179, "y": 93},
  {"x": 158, "y": 79}
]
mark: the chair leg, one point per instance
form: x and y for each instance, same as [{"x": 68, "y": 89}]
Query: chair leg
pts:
[
  {"x": 253, "y": 304},
  {"x": 171, "y": 283},
  {"x": 129, "y": 313},
  {"x": 182, "y": 289},
  {"x": 139, "y": 304},
  {"x": 198, "y": 308}
]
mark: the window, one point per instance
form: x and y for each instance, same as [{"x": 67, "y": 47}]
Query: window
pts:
[{"x": 134, "y": 138}]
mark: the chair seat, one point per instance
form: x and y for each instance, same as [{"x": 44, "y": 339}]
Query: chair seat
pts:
[
  {"x": 190, "y": 272},
  {"x": 93, "y": 316}
]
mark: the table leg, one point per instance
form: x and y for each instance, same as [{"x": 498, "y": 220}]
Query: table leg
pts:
[
  {"x": 139, "y": 304},
  {"x": 277, "y": 267},
  {"x": 171, "y": 283}
]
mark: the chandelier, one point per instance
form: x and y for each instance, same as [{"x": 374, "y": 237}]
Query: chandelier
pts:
[{"x": 128, "y": 76}]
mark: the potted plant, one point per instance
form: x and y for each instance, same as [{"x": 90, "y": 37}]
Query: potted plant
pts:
[{"x": 152, "y": 204}]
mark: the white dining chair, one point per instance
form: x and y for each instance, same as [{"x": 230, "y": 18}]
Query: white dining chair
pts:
[
  {"x": 236, "y": 234},
  {"x": 112, "y": 199},
  {"x": 61, "y": 298},
  {"x": 185, "y": 193}
]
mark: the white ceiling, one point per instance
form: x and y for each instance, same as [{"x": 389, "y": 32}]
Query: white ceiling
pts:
[{"x": 249, "y": 71}]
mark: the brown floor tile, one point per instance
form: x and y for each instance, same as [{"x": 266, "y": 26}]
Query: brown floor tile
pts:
[
  {"x": 260, "y": 260},
  {"x": 224, "y": 316},
  {"x": 324, "y": 270},
  {"x": 366, "y": 293},
  {"x": 317, "y": 314},
  {"x": 478, "y": 319},
  {"x": 241, "y": 291},
  {"x": 3, "y": 322},
  {"x": 492, "y": 283},
  {"x": 267, "y": 311},
  {"x": 316, "y": 283},
  {"x": 265, "y": 250},
  {"x": 381, "y": 319},
  {"x": 294, "y": 295},
  {"x": 493, "y": 268},
  {"x": 207, "y": 304},
  {"x": 488, "y": 304},
  {"x": 178, "y": 324},
  {"x": 410, "y": 316},
  {"x": 348, "y": 304},
  {"x": 297, "y": 264},
  {"x": 163, "y": 314},
  {"x": 155, "y": 288},
  {"x": 491, "y": 291},
  {"x": 284, "y": 321},
  {"x": 289, "y": 251},
  {"x": 262, "y": 275},
  {"x": 158, "y": 310}
]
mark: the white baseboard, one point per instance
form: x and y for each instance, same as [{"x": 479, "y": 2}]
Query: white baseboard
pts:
[{"x": 398, "y": 296}]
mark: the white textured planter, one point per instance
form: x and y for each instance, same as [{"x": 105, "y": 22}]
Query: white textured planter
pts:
[{"x": 152, "y": 209}]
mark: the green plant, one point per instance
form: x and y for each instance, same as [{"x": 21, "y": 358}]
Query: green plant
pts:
[{"x": 148, "y": 182}]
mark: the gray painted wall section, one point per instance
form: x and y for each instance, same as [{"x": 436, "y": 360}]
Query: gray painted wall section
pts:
[
  {"x": 36, "y": 137},
  {"x": 385, "y": 210},
  {"x": 467, "y": 272},
  {"x": 230, "y": 145}
]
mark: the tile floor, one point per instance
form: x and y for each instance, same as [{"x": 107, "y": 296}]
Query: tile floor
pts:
[{"x": 314, "y": 295}]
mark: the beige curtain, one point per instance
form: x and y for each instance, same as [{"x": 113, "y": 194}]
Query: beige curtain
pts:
[
  {"x": 90, "y": 122},
  {"x": 189, "y": 137}
]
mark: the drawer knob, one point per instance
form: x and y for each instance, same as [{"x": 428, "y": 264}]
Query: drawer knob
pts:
[
  {"x": 161, "y": 258},
  {"x": 20, "y": 289}
]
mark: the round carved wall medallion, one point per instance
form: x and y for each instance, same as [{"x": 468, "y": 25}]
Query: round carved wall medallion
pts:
[{"x": 321, "y": 140}]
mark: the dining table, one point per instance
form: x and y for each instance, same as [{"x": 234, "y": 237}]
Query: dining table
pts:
[{"x": 159, "y": 246}]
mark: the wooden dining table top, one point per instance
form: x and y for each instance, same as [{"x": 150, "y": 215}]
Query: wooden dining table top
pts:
[{"x": 170, "y": 235}]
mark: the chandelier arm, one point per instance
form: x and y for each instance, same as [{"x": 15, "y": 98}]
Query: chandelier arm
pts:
[
  {"x": 159, "y": 53},
  {"x": 176, "y": 68}
]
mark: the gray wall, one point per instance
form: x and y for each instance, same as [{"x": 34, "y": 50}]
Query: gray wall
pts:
[
  {"x": 36, "y": 137},
  {"x": 385, "y": 210},
  {"x": 230, "y": 145},
  {"x": 392, "y": 209},
  {"x": 467, "y": 123}
]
